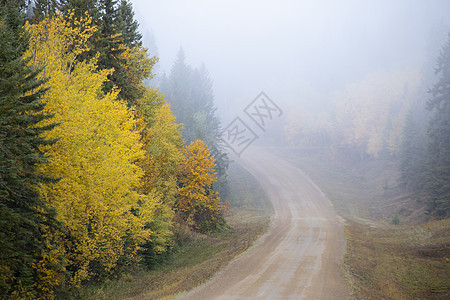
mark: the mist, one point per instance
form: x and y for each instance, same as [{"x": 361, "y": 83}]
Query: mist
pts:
[{"x": 295, "y": 51}]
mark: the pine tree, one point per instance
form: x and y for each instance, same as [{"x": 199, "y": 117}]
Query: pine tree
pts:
[
  {"x": 23, "y": 213},
  {"x": 438, "y": 182},
  {"x": 207, "y": 124},
  {"x": 44, "y": 8},
  {"x": 80, "y": 7},
  {"x": 127, "y": 25},
  {"x": 191, "y": 97},
  {"x": 177, "y": 89},
  {"x": 412, "y": 154}
]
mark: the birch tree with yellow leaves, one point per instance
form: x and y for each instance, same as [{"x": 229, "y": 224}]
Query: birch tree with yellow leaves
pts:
[{"x": 97, "y": 198}]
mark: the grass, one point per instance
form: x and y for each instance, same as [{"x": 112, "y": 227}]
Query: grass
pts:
[
  {"x": 409, "y": 259},
  {"x": 203, "y": 255},
  {"x": 399, "y": 263}
]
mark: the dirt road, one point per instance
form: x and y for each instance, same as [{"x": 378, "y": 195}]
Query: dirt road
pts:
[{"x": 299, "y": 257}]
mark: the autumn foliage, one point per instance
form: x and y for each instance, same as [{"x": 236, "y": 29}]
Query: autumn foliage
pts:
[
  {"x": 198, "y": 202},
  {"x": 123, "y": 179},
  {"x": 95, "y": 156}
]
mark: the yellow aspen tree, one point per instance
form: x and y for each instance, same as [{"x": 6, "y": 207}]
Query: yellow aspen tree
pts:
[
  {"x": 162, "y": 142},
  {"x": 97, "y": 197},
  {"x": 197, "y": 203}
]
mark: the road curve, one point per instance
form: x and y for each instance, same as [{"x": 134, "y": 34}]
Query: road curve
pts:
[{"x": 300, "y": 255}]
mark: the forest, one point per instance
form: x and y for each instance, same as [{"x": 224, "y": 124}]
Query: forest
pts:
[
  {"x": 109, "y": 166},
  {"x": 97, "y": 175}
]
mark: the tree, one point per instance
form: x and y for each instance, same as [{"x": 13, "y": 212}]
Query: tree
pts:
[
  {"x": 25, "y": 217},
  {"x": 371, "y": 114},
  {"x": 152, "y": 48},
  {"x": 437, "y": 185},
  {"x": 115, "y": 38},
  {"x": 189, "y": 91},
  {"x": 162, "y": 142},
  {"x": 412, "y": 162},
  {"x": 45, "y": 8},
  {"x": 127, "y": 25},
  {"x": 207, "y": 125},
  {"x": 138, "y": 67},
  {"x": 177, "y": 89},
  {"x": 97, "y": 197},
  {"x": 197, "y": 204}
]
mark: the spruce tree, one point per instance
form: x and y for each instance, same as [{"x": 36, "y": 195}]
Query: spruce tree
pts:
[
  {"x": 44, "y": 8},
  {"x": 412, "y": 162},
  {"x": 127, "y": 25},
  {"x": 207, "y": 124},
  {"x": 177, "y": 90},
  {"x": 438, "y": 183},
  {"x": 80, "y": 7},
  {"x": 190, "y": 94},
  {"x": 117, "y": 32},
  {"x": 23, "y": 212}
]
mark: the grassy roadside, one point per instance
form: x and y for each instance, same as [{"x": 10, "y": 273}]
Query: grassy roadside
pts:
[
  {"x": 197, "y": 260},
  {"x": 382, "y": 261},
  {"x": 406, "y": 262}
]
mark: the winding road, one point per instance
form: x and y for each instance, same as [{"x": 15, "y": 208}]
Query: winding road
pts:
[{"x": 300, "y": 255}]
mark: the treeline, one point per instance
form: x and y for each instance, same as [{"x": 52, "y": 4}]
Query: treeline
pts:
[
  {"x": 425, "y": 155},
  {"x": 95, "y": 175},
  {"x": 403, "y": 116}
]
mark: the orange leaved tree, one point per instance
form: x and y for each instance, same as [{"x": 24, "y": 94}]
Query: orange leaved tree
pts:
[{"x": 198, "y": 204}]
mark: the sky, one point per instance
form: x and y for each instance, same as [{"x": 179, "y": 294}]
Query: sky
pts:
[{"x": 294, "y": 51}]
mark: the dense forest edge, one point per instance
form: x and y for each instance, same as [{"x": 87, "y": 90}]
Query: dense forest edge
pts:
[{"x": 100, "y": 174}]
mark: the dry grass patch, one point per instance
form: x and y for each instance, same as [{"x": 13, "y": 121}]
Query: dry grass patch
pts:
[{"x": 407, "y": 262}]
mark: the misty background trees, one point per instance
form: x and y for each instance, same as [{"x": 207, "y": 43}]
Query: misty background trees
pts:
[
  {"x": 437, "y": 186},
  {"x": 190, "y": 94},
  {"x": 401, "y": 116}
]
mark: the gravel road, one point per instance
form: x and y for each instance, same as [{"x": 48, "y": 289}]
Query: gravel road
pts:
[{"x": 300, "y": 255}]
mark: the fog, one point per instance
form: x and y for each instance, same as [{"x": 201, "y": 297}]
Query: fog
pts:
[{"x": 295, "y": 51}]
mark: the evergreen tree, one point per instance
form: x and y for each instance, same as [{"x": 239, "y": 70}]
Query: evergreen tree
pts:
[
  {"x": 438, "y": 183},
  {"x": 127, "y": 25},
  {"x": 23, "y": 213},
  {"x": 191, "y": 97},
  {"x": 207, "y": 124},
  {"x": 152, "y": 48},
  {"x": 177, "y": 90},
  {"x": 110, "y": 47},
  {"x": 80, "y": 7},
  {"x": 117, "y": 33},
  {"x": 44, "y": 8},
  {"x": 412, "y": 154}
]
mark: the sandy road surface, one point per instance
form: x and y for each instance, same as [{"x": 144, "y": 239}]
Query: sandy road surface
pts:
[{"x": 299, "y": 257}]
